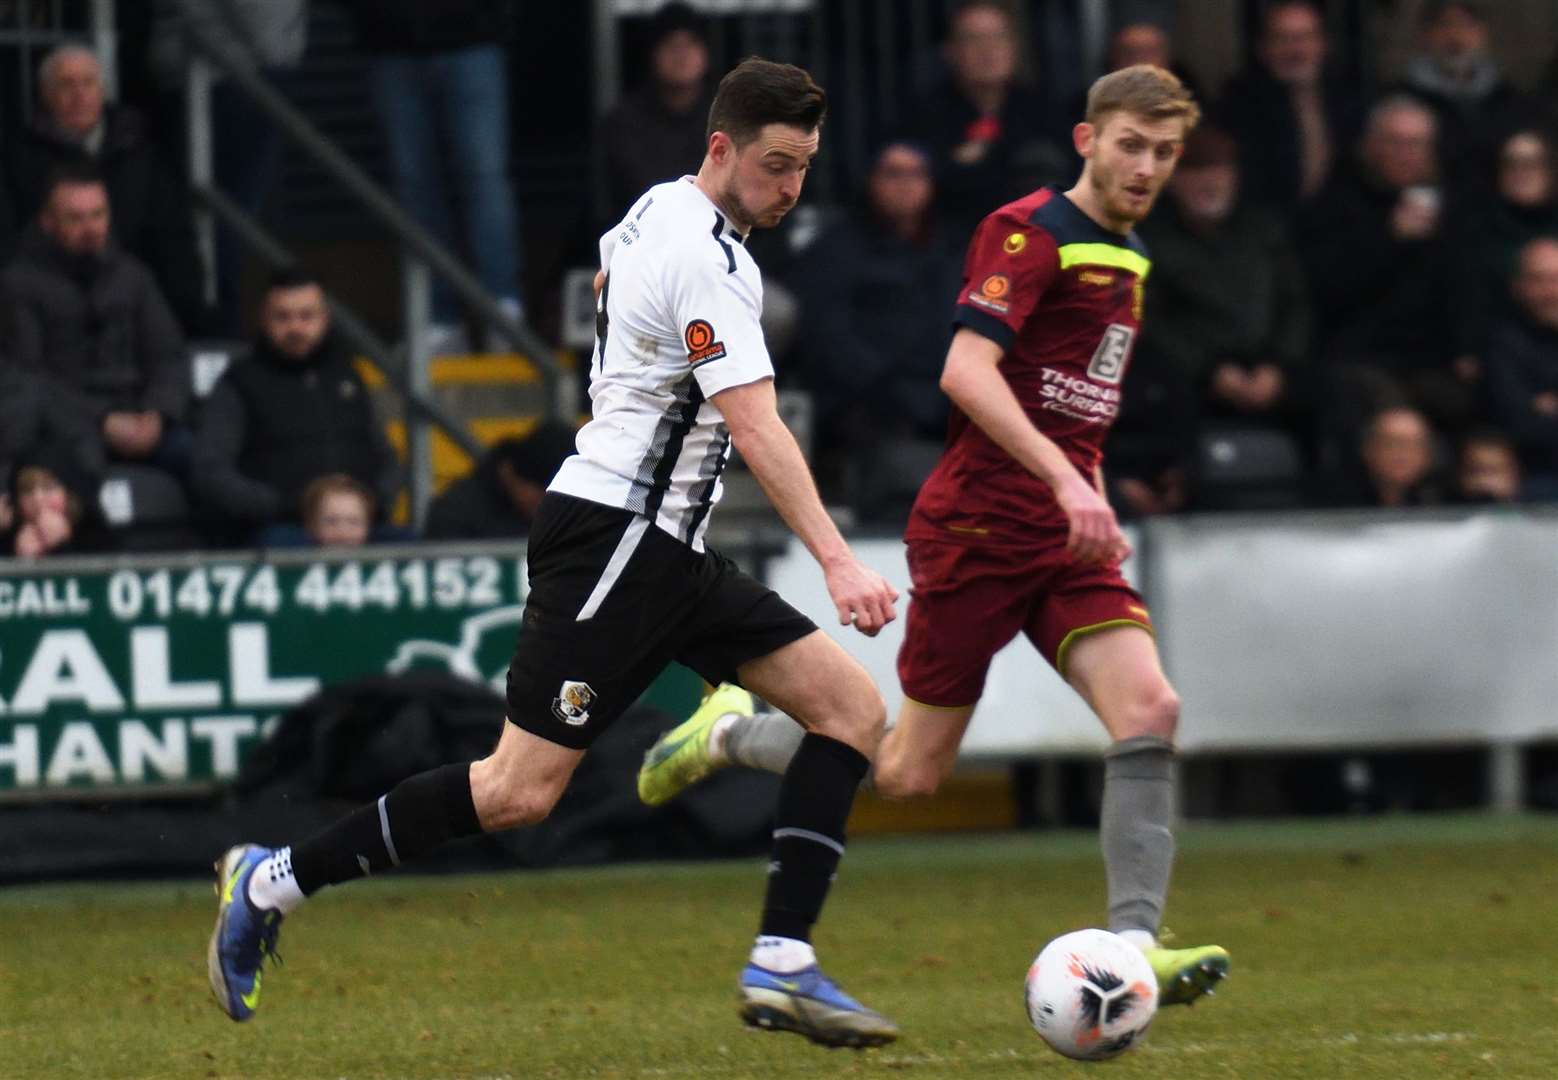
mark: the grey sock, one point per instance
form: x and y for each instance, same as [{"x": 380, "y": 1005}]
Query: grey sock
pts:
[
  {"x": 1138, "y": 844},
  {"x": 766, "y": 740}
]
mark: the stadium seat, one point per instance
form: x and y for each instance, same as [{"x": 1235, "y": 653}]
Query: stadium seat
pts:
[
  {"x": 1247, "y": 468},
  {"x": 147, "y": 509},
  {"x": 577, "y": 327},
  {"x": 209, "y": 360}
]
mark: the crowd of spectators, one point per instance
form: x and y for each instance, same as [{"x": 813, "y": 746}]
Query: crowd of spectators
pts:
[
  {"x": 1328, "y": 266},
  {"x": 1349, "y": 283},
  {"x": 1368, "y": 283},
  {"x": 102, "y": 286}
]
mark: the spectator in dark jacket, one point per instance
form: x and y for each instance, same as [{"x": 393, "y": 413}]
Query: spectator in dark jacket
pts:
[
  {"x": 1291, "y": 117},
  {"x": 1522, "y": 206},
  {"x": 657, "y": 132},
  {"x": 874, "y": 292},
  {"x": 497, "y": 500},
  {"x": 991, "y": 137},
  {"x": 1458, "y": 77},
  {"x": 1227, "y": 299},
  {"x": 150, "y": 204},
  {"x": 1522, "y": 362},
  {"x": 89, "y": 322},
  {"x": 1378, "y": 262},
  {"x": 295, "y": 410},
  {"x": 31, "y": 418},
  {"x": 440, "y": 83}
]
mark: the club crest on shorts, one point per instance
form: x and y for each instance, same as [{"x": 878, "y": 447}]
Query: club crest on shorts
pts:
[{"x": 572, "y": 703}]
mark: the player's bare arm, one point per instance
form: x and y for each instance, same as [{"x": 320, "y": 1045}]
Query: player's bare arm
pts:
[
  {"x": 972, "y": 379},
  {"x": 751, "y": 412},
  {"x": 1100, "y": 485}
]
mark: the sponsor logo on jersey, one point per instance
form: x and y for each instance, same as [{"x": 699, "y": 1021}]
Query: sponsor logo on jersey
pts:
[
  {"x": 573, "y": 701},
  {"x": 1108, "y": 363},
  {"x": 701, "y": 343},
  {"x": 1095, "y": 277},
  {"x": 1079, "y": 398},
  {"x": 1014, "y": 243},
  {"x": 992, "y": 294}
]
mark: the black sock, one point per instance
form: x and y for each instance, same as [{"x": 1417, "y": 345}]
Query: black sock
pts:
[
  {"x": 417, "y": 816},
  {"x": 814, "y": 801}
]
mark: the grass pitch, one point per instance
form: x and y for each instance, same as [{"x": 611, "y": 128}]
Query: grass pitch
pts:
[{"x": 1422, "y": 947}]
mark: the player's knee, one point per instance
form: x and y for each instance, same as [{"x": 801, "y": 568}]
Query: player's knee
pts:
[
  {"x": 897, "y": 778},
  {"x": 517, "y": 808},
  {"x": 857, "y": 716},
  {"x": 507, "y": 798},
  {"x": 1154, "y": 713},
  {"x": 867, "y": 718}
]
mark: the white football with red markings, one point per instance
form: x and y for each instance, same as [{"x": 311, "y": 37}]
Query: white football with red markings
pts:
[{"x": 1091, "y": 995}]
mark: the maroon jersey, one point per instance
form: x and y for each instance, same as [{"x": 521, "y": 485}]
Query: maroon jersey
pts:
[{"x": 1062, "y": 295}]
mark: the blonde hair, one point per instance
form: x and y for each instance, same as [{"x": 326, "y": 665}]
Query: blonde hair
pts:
[
  {"x": 1143, "y": 90},
  {"x": 322, "y": 486}
]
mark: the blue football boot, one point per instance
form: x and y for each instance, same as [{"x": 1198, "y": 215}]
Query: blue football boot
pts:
[
  {"x": 811, "y": 1004},
  {"x": 244, "y": 936}
]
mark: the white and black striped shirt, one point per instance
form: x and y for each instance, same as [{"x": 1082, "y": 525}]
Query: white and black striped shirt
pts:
[{"x": 676, "y": 323}]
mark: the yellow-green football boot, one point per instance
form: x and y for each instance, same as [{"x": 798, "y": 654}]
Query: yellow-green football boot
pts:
[
  {"x": 1186, "y": 974},
  {"x": 680, "y": 757}
]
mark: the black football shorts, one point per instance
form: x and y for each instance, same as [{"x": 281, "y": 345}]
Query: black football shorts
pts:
[{"x": 613, "y": 599}]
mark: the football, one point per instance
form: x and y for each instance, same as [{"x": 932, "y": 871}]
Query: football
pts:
[{"x": 1091, "y": 995}]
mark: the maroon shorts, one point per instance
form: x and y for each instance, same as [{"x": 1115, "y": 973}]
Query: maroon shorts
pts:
[{"x": 966, "y": 603}]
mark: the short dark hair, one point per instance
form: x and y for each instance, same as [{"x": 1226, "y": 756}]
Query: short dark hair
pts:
[
  {"x": 1438, "y": 9},
  {"x": 1486, "y": 436},
  {"x": 1003, "y": 8},
  {"x": 758, "y": 92},
  {"x": 73, "y": 174},
  {"x": 536, "y": 456},
  {"x": 291, "y": 277},
  {"x": 676, "y": 17},
  {"x": 1312, "y": 6}
]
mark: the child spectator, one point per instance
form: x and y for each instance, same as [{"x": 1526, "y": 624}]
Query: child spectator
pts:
[
  {"x": 337, "y": 511},
  {"x": 53, "y": 507},
  {"x": 1487, "y": 469}
]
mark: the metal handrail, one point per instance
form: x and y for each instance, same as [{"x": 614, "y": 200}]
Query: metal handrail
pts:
[
  {"x": 225, "y": 57},
  {"x": 391, "y": 361}
]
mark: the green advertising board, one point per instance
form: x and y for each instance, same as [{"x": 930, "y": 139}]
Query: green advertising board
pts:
[{"x": 149, "y": 676}]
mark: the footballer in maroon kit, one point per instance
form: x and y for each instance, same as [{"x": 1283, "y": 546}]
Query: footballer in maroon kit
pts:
[{"x": 1012, "y": 533}]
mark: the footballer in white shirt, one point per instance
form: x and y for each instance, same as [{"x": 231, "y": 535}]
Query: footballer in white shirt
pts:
[{"x": 621, "y": 583}]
